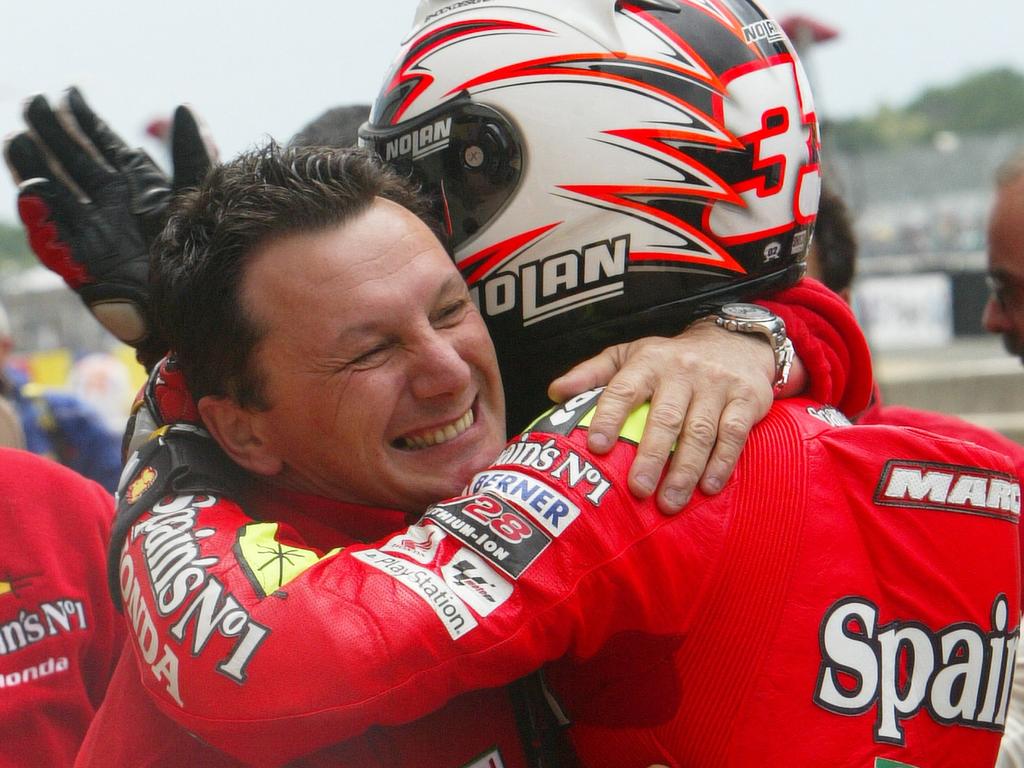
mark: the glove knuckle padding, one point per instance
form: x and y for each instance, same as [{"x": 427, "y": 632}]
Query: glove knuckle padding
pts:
[
  {"x": 148, "y": 193},
  {"x": 76, "y": 159}
]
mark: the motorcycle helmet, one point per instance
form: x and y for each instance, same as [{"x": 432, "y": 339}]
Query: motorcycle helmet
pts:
[{"x": 603, "y": 170}]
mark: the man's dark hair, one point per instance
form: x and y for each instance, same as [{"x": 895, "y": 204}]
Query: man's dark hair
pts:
[
  {"x": 834, "y": 242},
  {"x": 200, "y": 258},
  {"x": 337, "y": 127}
]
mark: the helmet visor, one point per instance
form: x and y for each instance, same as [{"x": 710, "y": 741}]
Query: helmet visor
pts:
[{"x": 465, "y": 157}]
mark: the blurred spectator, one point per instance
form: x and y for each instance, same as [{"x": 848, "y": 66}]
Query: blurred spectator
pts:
[
  {"x": 61, "y": 636},
  {"x": 1004, "y": 312},
  {"x": 60, "y": 425},
  {"x": 11, "y": 434},
  {"x": 103, "y": 381},
  {"x": 832, "y": 258},
  {"x": 1004, "y": 315},
  {"x": 337, "y": 127}
]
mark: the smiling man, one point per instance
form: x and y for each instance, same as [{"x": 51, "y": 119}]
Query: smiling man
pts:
[
  {"x": 336, "y": 356},
  {"x": 369, "y": 340}
]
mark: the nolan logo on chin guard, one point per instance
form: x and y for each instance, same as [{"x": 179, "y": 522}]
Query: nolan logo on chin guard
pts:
[
  {"x": 557, "y": 284},
  {"x": 947, "y": 487}
]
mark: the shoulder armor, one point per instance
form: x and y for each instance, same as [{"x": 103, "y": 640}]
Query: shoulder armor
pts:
[{"x": 179, "y": 459}]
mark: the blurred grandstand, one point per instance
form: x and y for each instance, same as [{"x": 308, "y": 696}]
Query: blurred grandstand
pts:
[
  {"x": 920, "y": 213},
  {"x": 922, "y": 210}
]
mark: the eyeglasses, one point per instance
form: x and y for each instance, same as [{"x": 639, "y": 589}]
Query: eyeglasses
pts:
[{"x": 1006, "y": 291}]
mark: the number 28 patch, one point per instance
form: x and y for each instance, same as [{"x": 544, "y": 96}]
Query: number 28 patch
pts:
[{"x": 493, "y": 528}]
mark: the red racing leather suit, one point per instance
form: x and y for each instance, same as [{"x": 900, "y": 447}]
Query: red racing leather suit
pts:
[
  {"x": 851, "y": 597},
  {"x": 824, "y": 334}
]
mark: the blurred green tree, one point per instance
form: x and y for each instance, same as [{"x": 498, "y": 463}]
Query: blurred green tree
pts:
[{"x": 985, "y": 102}]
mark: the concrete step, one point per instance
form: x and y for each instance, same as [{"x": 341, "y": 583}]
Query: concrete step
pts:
[
  {"x": 973, "y": 378},
  {"x": 1009, "y": 424}
]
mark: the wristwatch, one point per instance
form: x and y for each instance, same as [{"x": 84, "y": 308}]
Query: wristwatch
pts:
[{"x": 751, "y": 318}]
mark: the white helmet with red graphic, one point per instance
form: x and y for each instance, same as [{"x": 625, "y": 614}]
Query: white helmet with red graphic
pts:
[{"x": 603, "y": 169}]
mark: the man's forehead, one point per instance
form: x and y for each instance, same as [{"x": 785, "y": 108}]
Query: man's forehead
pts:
[{"x": 364, "y": 323}]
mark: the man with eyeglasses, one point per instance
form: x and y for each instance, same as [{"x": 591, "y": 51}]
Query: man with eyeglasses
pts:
[{"x": 1004, "y": 312}]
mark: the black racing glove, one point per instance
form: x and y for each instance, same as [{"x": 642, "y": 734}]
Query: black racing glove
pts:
[{"x": 92, "y": 206}]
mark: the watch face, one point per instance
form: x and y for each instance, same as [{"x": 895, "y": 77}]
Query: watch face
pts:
[{"x": 746, "y": 312}]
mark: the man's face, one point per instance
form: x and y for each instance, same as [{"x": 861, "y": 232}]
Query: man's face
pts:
[
  {"x": 1004, "y": 312},
  {"x": 380, "y": 375}
]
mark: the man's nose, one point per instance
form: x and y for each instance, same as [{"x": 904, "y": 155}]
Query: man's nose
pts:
[{"x": 439, "y": 368}]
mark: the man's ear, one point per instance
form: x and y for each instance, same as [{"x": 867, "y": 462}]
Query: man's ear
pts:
[{"x": 239, "y": 432}]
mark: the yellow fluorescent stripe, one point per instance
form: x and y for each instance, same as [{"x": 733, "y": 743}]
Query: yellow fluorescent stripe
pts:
[
  {"x": 633, "y": 428},
  {"x": 272, "y": 563}
]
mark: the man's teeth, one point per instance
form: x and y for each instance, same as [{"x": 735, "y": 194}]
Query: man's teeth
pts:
[{"x": 442, "y": 435}]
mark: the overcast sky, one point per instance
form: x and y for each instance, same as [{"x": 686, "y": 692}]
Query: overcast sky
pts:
[{"x": 265, "y": 68}]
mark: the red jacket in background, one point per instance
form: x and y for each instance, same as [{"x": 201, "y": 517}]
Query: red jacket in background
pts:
[{"x": 59, "y": 633}]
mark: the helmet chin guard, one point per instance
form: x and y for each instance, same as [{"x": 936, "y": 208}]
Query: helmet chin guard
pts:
[{"x": 604, "y": 169}]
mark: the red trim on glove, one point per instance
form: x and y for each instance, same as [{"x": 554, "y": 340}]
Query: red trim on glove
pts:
[{"x": 46, "y": 244}]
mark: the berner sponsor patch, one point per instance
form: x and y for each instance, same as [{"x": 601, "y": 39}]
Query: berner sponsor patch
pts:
[
  {"x": 948, "y": 487},
  {"x": 428, "y": 586},
  {"x": 546, "y": 505}
]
